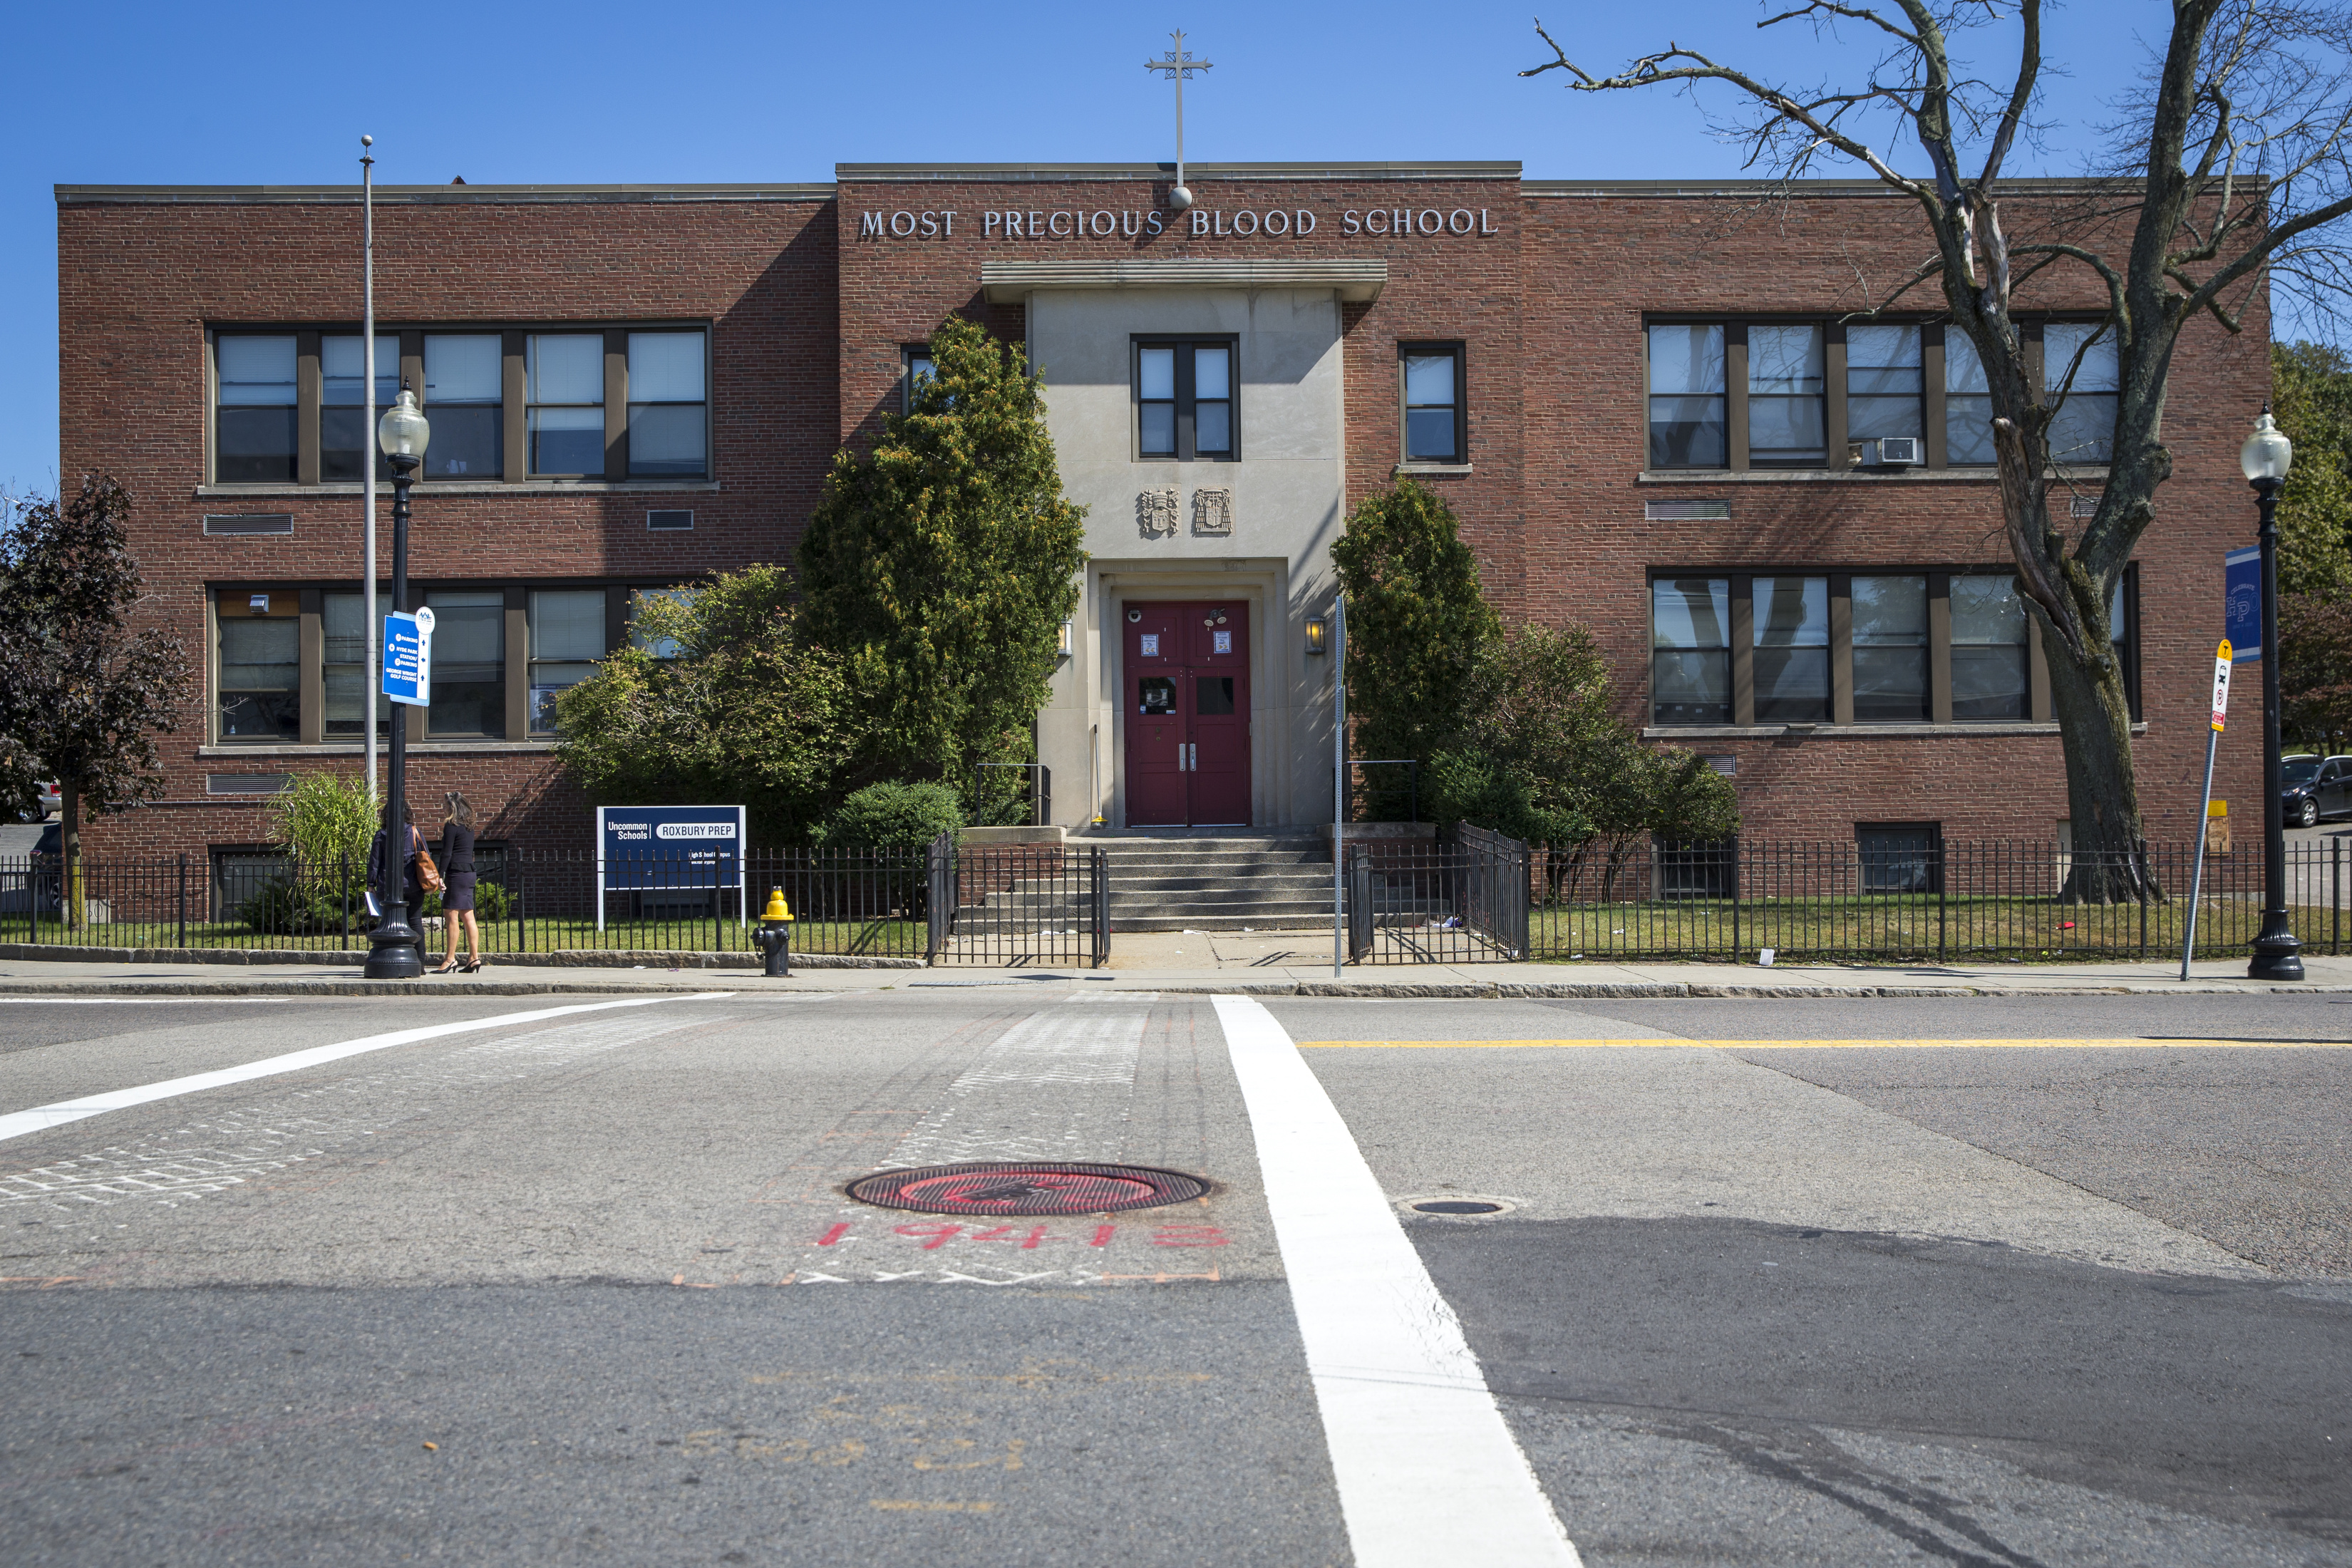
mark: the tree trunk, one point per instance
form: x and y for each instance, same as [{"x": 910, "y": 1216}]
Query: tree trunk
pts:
[
  {"x": 2108, "y": 861},
  {"x": 69, "y": 853}
]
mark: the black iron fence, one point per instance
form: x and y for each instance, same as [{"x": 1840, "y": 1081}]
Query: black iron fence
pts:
[
  {"x": 1481, "y": 897},
  {"x": 943, "y": 903}
]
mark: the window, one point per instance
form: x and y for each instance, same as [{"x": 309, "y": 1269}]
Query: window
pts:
[
  {"x": 1968, "y": 403},
  {"x": 1436, "y": 427},
  {"x": 1883, "y": 383},
  {"x": 668, "y": 424},
  {"x": 917, "y": 370},
  {"x": 1687, "y": 419},
  {"x": 564, "y": 408},
  {"x": 1989, "y": 672},
  {"x": 2123, "y": 609},
  {"x": 1785, "y": 377},
  {"x": 1900, "y": 857},
  {"x": 1792, "y": 650},
  {"x": 344, "y": 642},
  {"x": 2085, "y": 429},
  {"x": 469, "y": 664},
  {"x": 1184, "y": 400},
  {"x": 567, "y": 638},
  {"x": 1690, "y": 638},
  {"x": 259, "y": 685},
  {"x": 255, "y": 439},
  {"x": 659, "y": 647},
  {"x": 1890, "y": 650},
  {"x": 344, "y": 439},
  {"x": 465, "y": 398}
]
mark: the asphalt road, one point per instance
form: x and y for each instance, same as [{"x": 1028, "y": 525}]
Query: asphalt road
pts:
[{"x": 577, "y": 1282}]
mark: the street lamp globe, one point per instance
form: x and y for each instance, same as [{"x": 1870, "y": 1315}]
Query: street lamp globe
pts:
[
  {"x": 2267, "y": 452},
  {"x": 403, "y": 430}
]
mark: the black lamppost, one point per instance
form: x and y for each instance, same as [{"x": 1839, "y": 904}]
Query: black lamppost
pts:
[
  {"x": 392, "y": 949},
  {"x": 2277, "y": 954}
]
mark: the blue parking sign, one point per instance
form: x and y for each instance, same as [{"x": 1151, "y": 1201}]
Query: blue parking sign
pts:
[{"x": 408, "y": 658}]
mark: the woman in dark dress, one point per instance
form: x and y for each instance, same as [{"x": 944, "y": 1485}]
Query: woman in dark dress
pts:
[
  {"x": 380, "y": 874},
  {"x": 458, "y": 877}
]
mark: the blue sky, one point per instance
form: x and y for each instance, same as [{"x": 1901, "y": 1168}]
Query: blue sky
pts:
[{"x": 592, "y": 91}]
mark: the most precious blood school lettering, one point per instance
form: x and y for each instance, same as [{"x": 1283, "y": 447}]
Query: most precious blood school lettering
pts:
[{"x": 1203, "y": 223}]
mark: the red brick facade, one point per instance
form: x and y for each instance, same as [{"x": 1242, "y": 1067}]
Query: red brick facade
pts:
[{"x": 808, "y": 308}]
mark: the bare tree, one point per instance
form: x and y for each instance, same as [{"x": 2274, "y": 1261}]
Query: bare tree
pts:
[{"x": 2239, "y": 166}]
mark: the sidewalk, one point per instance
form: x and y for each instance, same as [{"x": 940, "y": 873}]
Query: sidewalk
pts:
[{"x": 1279, "y": 965}]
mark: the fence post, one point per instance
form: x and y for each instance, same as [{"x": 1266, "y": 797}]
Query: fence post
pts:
[
  {"x": 2336, "y": 899},
  {"x": 184, "y": 898},
  {"x": 514, "y": 895},
  {"x": 936, "y": 877},
  {"x": 1101, "y": 868}
]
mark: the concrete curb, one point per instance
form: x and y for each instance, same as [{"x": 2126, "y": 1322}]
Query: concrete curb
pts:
[{"x": 1459, "y": 991}]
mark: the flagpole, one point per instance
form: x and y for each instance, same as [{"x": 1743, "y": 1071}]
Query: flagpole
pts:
[{"x": 367, "y": 451}]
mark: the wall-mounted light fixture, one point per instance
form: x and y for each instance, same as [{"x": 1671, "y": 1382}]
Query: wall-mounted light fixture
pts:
[
  {"x": 1316, "y": 629},
  {"x": 1063, "y": 648}
]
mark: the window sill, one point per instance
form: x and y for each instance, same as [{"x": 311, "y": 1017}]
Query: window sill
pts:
[
  {"x": 1993, "y": 727},
  {"x": 476, "y": 488},
  {"x": 356, "y": 749},
  {"x": 1847, "y": 475},
  {"x": 1433, "y": 468}
]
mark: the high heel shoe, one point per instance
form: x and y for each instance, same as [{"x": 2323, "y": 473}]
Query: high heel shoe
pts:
[
  {"x": 452, "y": 967},
  {"x": 471, "y": 966}
]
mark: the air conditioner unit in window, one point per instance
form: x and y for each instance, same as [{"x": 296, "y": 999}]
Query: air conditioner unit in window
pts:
[{"x": 1892, "y": 452}]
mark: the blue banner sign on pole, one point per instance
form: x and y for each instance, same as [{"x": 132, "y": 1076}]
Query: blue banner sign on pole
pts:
[
  {"x": 408, "y": 658},
  {"x": 2242, "y": 589}
]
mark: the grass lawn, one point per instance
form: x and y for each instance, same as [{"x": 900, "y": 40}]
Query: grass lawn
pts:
[{"x": 1910, "y": 927}]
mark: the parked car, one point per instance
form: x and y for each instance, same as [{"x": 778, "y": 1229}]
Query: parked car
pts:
[
  {"x": 2311, "y": 788},
  {"x": 46, "y": 801}
]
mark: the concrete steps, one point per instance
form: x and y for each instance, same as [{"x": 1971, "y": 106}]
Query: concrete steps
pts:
[{"x": 1228, "y": 882}]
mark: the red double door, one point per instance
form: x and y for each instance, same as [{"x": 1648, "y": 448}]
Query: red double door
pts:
[{"x": 1186, "y": 687}]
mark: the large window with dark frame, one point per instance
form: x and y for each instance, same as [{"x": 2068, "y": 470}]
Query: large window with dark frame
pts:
[
  {"x": 1185, "y": 406},
  {"x": 257, "y": 434},
  {"x": 289, "y": 660},
  {"x": 1436, "y": 415},
  {"x": 1867, "y": 648},
  {"x": 345, "y": 441},
  {"x": 289, "y": 406},
  {"x": 1831, "y": 394}
]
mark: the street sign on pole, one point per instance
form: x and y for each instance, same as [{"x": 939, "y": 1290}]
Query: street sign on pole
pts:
[
  {"x": 2242, "y": 591},
  {"x": 408, "y": 658},
  {"x": 2222, "y": 661}
]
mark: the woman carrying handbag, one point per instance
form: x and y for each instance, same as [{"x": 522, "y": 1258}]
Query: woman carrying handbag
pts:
[
  {"x": 457, "y": 898},
  {"x": 417, "y": 872}
]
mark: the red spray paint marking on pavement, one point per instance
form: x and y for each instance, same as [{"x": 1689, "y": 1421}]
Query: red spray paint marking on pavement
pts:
[{"x": 836, "y": 1234}]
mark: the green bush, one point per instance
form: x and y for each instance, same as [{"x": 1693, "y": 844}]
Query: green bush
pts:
[
  {"x": 491, "y": 904},
  {"x": 892, "y": 817},
  {"x": 312, "y": 907},
  {"x": 326, "y": 819}
]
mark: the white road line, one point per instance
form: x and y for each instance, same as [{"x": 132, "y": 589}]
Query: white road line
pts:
[
  {"x": 1428, "y": 1472},
  {"x": 128, "y": 1001},
  {"x": 18, "y": 1123}
]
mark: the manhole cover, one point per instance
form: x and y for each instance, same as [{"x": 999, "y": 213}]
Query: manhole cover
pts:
[
  {"x": 1026, "y": 1189},
  {"x": 1456, "y": 1205}
]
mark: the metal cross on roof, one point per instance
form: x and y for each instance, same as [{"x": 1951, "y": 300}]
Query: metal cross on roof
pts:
[{"x": 1178, "y": 65}]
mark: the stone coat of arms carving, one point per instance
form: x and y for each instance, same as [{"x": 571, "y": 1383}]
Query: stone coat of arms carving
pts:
[
  {"x": 1155, "y": 512},
  {"x": 1212, "y": 513}
]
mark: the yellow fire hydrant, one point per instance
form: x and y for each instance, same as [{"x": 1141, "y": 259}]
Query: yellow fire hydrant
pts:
[{"x": 774, "y": 936}]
